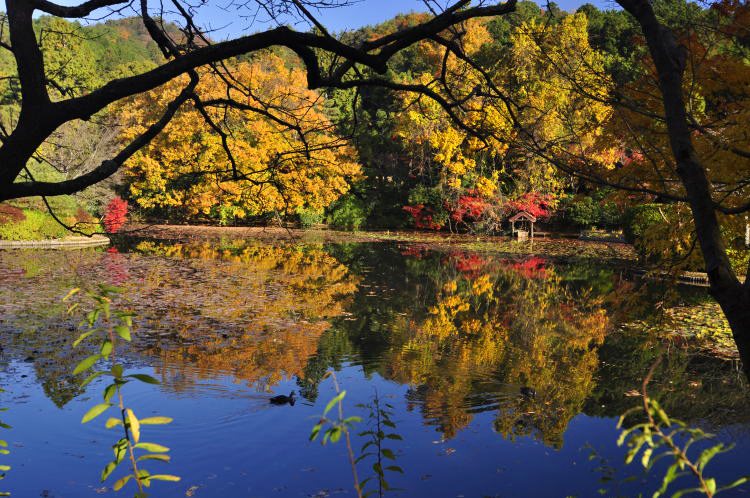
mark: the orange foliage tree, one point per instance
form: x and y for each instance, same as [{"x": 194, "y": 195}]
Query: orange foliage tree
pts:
[{"x": 282, "y": 158}]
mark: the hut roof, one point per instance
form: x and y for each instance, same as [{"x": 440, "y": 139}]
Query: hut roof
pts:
[{"x": 522, "y": 216}]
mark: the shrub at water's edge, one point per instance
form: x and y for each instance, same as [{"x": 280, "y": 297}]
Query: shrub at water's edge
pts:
[{"x": 36, "y": 225}]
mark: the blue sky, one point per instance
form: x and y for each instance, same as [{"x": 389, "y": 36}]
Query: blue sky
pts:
[{"x": 364, "y": 12}]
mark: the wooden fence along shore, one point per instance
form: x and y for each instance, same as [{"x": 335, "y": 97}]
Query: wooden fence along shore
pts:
[{"x": 688, "y": 277}]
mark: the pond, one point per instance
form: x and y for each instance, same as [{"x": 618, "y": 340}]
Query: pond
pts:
[{"x": 505, "y": 374}]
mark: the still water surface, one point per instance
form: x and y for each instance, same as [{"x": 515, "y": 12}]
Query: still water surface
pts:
[{"x": 449, "y": 338}]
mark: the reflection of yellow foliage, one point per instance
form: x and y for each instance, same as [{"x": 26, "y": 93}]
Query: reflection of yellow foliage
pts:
[
  {"x": 280, "y": 296},
  {"x": 515, "y": 330}
]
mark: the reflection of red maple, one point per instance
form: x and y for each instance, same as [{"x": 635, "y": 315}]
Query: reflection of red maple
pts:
[
  {"x": 529, "y": 268},
  {"x": 415, "y": 251},
  {"x": 471, "y": 264},
  {"x": 115, "y": 266},
  {"x": 468, "y": 262}
]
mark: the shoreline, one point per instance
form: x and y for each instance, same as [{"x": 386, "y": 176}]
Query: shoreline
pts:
[{"x": 95, "y": 241}]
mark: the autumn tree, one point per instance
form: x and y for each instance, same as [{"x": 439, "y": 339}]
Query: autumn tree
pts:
[
  {"x": 328, "y": 62},
  {"x": 676, "y": 133},
  {"x": 276, "y": 170},
  {"x": 511, "y": 95},
  {"x": 711, "y": 194}
]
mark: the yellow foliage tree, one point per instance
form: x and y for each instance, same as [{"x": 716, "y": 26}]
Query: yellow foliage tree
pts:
[
  {"x": 525, "y": 100},
  {"x": 284, "y": 157}
]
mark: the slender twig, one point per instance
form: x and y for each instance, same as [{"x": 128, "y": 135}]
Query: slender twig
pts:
[
  {"x": 667, "y": 438},
  {"x": 349, "y": 450},
  {"x": 125, "y": 424}
]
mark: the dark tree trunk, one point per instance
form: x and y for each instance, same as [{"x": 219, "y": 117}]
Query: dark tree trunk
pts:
[
  {"x": 670, "y": 62},
  {"x": 736, "y": 307}
]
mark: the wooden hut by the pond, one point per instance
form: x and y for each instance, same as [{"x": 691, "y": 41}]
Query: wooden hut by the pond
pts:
[{"x": 524, "y": 218}]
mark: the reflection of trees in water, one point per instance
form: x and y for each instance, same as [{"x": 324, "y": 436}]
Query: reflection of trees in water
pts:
[
  {"x": 254, "y": 312},
  {"x": 467, "y": 331},
  {"x": 266, "y": 306},
  {"x": 33, "y": 327},
  {"x": 695, "y": 388}
]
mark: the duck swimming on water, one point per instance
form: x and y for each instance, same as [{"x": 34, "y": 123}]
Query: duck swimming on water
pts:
[{"x": 283, "y": 400}]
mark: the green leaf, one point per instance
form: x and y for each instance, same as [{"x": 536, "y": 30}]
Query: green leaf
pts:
[
  {"x": 82, "y": 337},
  {"x": 388, "y": 454},
  {"x": 86, "y": 364},
  {"x": 71, "y": 293},
  {"x": 741, "y": 480},
  {"x": 122, "y": 482},
  {"x": 156, "y": 421},
  {"x": 108, "y": 470},
  {"x": 683, "y": 491},
  {"x": 394, "y": 436},
  {"x": 152, "y": 447},
  {"x": 144, "y": 378},
  {"x": 709, "y": 453},
  {"x": 143, "y": 476},
  {"x": 663, "y": 416},
  {"x": 117, "y": 371},
  {"x": 92, "y": 317},
  {"x": 95, "y": 411},
  {"x": 164, "y": 477},
  {"x": 112, "y": 422},
  {"x": 109, "y": 391},
  {"x": 106, "y": 349},
  {"x": 395, "y": 468},
  {"x": 335, "y": 400},
  {"x": 123, "y": 332},
  {"x": 646, "y": 456},
  {"x": 163, "y": 458},
  {"x": 711, "y": 485},
  {"x": 315, "y": 430},
  {"x": 135, "y": 426},
  {"x": 120, "y": 448},
  {"x": 126, "y": 317},
  {"x": 110, "y": 289},
  {"x": 90, "y": 378},
  {"x": 336, "y": 434},
  {"x": 363, "y": 456}
]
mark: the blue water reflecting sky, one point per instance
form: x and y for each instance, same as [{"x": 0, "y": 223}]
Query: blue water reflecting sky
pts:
[{"x": 230, "y": 442}]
